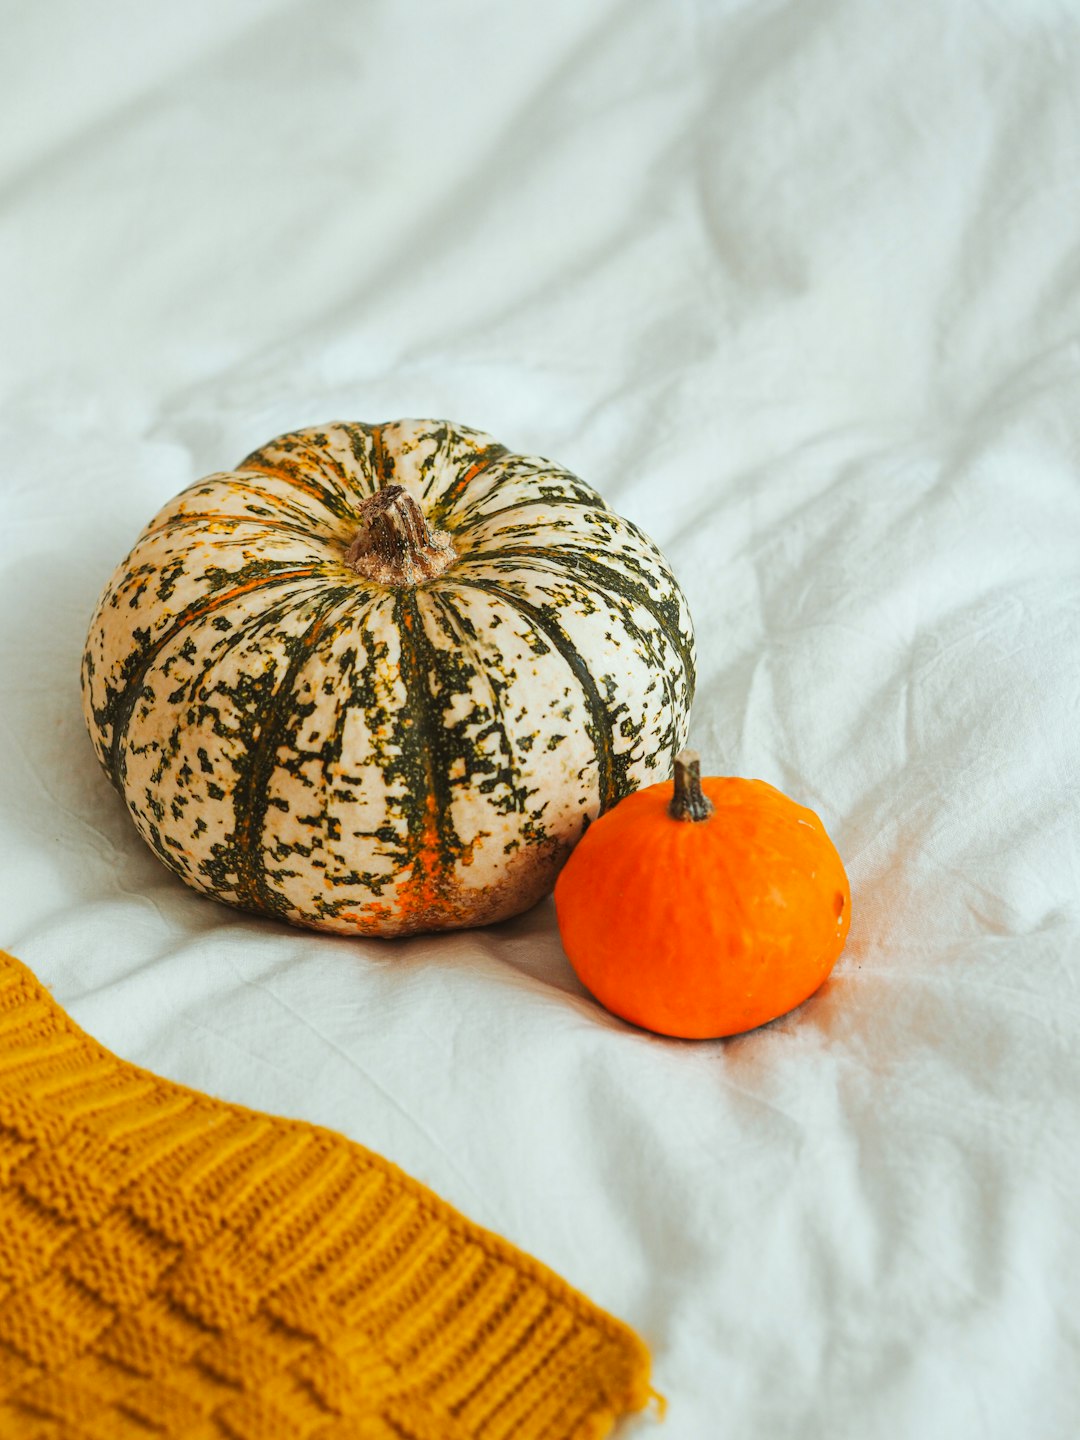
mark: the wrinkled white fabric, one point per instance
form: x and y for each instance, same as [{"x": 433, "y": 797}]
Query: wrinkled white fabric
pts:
[{"x": 796, "y": 287}]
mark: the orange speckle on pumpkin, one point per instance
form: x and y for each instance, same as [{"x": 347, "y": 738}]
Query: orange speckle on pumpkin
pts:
[{"x": 421, "y": 890}]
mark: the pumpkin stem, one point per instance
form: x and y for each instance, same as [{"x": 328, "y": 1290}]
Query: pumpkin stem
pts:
[
  {"x": 689, "y": 801},
  {"x": 395, "y": 545}
]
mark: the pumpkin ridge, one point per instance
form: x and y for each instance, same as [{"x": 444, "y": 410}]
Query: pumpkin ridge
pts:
[
  {"x": 580, "y": 502},
  {"x": 243, "y": 632},
  {"x": 382, "y": 462},
  {"x": 368, "y": 447},
  {"x": 303, "y": 456},
  {"x": 251, "y": 794},
  {"x": 439, "y": 433},
  {"x": 241, "y": 480},
  {"x": 452, "y": 494},
  {"x": 171, "y": 747},
  {"x": 332, "y": 752},
  {"x": 433, "y": 841},
  {"x": 118, "y": 709},
  {"x": 291, "y": 475},
  {"x": 610, "y": 597},
  {"x": 466, "y": 641},
  {"x": 602, "y": 579},
  {"x": 213, "y": 517},
  {"x": 610, "y": 784}
]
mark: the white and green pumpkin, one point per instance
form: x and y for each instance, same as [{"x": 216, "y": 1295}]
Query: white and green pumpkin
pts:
[{"x": 378, "y": 679}]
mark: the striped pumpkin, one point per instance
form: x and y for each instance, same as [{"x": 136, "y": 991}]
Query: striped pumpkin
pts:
[{"x": 378, "y": 679}]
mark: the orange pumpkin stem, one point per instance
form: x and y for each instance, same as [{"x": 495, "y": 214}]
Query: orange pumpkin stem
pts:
[
  {"x": 689, "y": 801},
  {"x": 395, "y": 545}
]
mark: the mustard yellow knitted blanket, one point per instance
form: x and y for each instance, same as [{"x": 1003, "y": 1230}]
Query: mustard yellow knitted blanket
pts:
[{"x": 171, "y": 1265}]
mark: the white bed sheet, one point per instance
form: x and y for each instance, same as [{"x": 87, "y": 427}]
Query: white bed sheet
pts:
[{"x": 796, "y": 286}]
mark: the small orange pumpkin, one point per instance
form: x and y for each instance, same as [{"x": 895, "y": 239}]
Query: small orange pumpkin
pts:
[{"x": 703, "y": 908}]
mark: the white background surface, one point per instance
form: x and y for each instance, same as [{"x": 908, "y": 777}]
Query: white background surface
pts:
[{"x": 796, "y": 287}]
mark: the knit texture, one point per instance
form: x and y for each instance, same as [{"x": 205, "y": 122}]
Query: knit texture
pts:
[{"x": 171, "y": 1265}]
